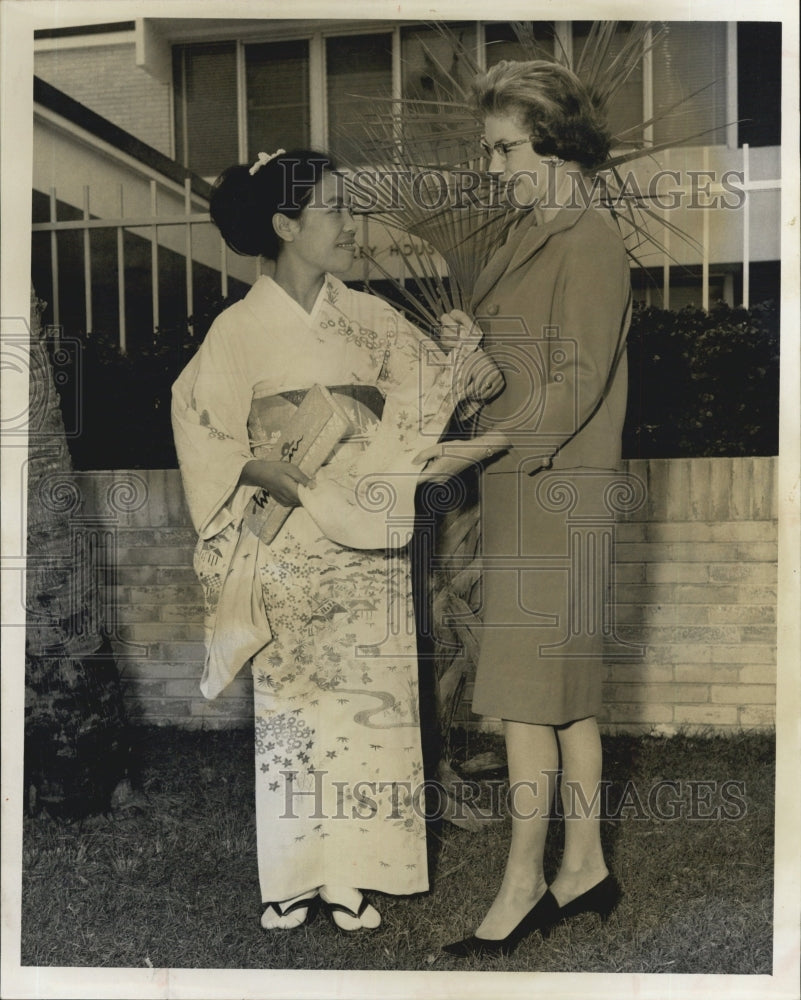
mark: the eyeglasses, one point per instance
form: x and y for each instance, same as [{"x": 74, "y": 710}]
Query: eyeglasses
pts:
[{"x": 502, "y": 147}]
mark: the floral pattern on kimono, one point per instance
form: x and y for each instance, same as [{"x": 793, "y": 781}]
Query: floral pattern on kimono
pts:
[{"x": 329, "y": 629}]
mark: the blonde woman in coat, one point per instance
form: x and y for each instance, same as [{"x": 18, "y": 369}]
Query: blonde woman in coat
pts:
[{"x": 554, "y": 305}]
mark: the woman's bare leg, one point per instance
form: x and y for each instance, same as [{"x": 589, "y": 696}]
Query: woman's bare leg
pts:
[
  {"x": 533, "y": 759},
  {"x": 583, "y": 861}
]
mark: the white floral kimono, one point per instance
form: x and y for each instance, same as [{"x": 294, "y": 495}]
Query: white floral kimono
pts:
[{"x": 329, "y": 627}]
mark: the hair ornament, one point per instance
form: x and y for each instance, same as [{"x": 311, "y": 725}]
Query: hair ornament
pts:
[{"x": 264, "y": 159}]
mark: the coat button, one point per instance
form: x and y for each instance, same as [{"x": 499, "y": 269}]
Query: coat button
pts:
[{"x": 493, "y": 310}]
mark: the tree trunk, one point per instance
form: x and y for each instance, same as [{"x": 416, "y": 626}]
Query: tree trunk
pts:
[{"x": 76, "y": 738}]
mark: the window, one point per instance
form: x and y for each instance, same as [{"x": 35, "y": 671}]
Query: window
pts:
[
  {"x": 428, "y": 59},
  {"x": 501, "y": 41},
  {"x": 206, "y": 133},
  {"x": 690, "y": 66},
  {"x": 277, "y": 88},
  {"x": 357, "y": 67},
  {"x": 686, "y": 286},
  {"x": 284, "y": 108},
  {"x": 759, "y": 83},
  {"x": 430, "y": 62},
  {"x": 626, "y": 108}
]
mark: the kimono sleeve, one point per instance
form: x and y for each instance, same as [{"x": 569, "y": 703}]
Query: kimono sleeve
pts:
[
  {"x": 210, "y": 405},
  {"x": 421, "y": 377}
]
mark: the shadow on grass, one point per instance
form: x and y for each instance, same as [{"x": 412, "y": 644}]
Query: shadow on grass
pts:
[{"x": 170, "y": 880}]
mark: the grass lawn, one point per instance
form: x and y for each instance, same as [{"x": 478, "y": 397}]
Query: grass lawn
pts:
[{"x": 171, "y": 881}]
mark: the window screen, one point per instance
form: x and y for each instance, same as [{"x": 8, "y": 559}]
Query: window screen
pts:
[
  {"x": 625, "y": 111},
  {"x": 277, "y": 86},
  {"x": 690, "y": 57},
  {"x": 205, "y": 107},
  {"x": 429, "y": 59},
  {"x": 434, "y": 69},
  {"x": 357, "y": 67}
]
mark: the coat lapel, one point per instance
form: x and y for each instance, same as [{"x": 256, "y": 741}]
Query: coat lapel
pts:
[
  {"x": 499, "y": 261},
  {"x": 524, "y": 241}
]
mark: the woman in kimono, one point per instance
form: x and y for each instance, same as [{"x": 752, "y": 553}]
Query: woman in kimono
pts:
[
  {"x": 554, "y": 304},
  {"x": 324, "y": 610}
]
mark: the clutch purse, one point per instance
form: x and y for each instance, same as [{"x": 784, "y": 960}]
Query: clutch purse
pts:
[{"x": 287, "y": 428}]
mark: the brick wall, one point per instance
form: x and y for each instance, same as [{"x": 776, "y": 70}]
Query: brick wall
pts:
[
  {"x": 696, "y": 586},
  {"x": 696, "y": 571},
  {"x": 106, "y": 79},
  {"x": 154, "y": 600}
]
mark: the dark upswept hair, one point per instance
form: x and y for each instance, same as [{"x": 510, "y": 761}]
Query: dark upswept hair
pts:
[
  {"x": 242, "y": 205},
  {"x": 552, "y": 103}
]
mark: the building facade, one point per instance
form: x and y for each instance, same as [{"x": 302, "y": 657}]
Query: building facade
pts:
[{"x": 205, "y": 93}]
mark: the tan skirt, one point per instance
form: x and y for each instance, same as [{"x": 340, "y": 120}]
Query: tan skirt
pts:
[{"x": 545, "y": 576}]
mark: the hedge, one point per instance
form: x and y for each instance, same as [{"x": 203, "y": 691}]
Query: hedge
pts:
[{"x": 701, "y": 384}]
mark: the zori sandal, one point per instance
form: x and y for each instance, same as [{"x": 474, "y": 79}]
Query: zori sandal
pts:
[
  {"x": 290, "y": 913},
  {"x": 365, "y": 917}
]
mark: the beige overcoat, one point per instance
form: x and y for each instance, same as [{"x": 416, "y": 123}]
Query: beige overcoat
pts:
[{"x": 555, "y": 304}]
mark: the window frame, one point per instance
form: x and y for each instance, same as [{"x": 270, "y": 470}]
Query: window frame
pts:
[
  {"x": 318, "y": 78},
  {"x": 318, "y": 83}
]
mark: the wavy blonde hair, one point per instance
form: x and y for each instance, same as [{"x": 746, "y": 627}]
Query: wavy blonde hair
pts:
[{"x": 552, "y": 104}]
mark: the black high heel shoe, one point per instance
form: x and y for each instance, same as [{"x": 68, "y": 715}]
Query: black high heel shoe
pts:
[
  {"x": 541, "y": 917},
  {"x": 602, "y": 898}
]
